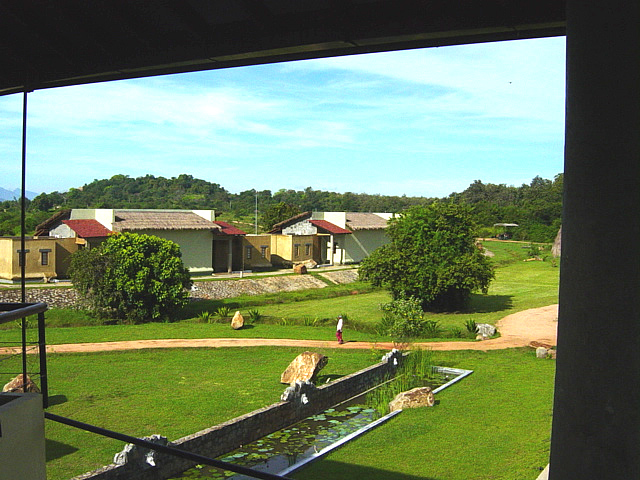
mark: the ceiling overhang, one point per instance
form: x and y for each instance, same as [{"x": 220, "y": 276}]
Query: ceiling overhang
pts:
[{"x": 48, "y": 44}]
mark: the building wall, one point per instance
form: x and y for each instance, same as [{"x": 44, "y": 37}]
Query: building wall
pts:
[
  {"x": 361, "y": 243},
  {"x": 6, "y": 258},
  {"x": 10, "y": 269},
  {"x": 252, "y": 251},
  {"x": 337, "y": 218},
  {"x": 65, "y": 247},
  {"x": 287, "y": 250},
  {"x": 196, "y": 247},
  {"x": 62, "y": 231},
  {"x": 304, "y": 227}
]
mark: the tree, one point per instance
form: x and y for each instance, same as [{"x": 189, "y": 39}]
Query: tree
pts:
[
  {"x": 133, "y": 277},
  {"x": 432, "y": 257},
  {"x": 277, "y": 213}
]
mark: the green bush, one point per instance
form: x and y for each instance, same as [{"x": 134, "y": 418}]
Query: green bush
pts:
[
  {"x": 432, "y": 256},
  {"x": 402, "y": 318},
  {"x": 223, "y": 312},
  {"x": 471, "y": 325},
  {"x": 132, "y": 277},
  {"x": 254, "y": 315}
]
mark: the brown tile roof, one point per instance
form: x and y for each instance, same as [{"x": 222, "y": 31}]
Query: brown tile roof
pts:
[
  {"x": 43, "y": 228},
  {"x": 88, "y": 228},
  {"x": 127, "y": 220},
  {"x": 329, "y": 227},
  {"x": 365, "y": 221}
]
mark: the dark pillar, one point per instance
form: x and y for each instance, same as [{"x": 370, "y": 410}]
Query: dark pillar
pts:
[{"x": 596, "y": 419}]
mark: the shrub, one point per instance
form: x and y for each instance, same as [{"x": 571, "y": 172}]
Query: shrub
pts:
[
  {"x": 223, "y": 312},
  {"x": 205, "y": 317},
  {"x": 403, "y": 318},
  {"x": 471, "y": 325},
  {"x": 431, "y": 329},
  {"x": 132, "y": 277},
  {"x": 254, "y": 315}
]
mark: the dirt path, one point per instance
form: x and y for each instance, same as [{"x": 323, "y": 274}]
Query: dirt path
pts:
[{"x": 517, "y": 330}]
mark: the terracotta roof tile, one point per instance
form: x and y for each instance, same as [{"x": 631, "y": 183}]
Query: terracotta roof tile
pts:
[
  {"x": 228, "y": 229},
  {"x": 329, "y": 227},
  {"x": 88, "y": 228}
]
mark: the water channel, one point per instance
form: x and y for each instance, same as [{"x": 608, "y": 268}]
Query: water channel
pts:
[{"x": 281, "y": 450}]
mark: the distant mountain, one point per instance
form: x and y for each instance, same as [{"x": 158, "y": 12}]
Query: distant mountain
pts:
[{"x": 15, "y": 194}]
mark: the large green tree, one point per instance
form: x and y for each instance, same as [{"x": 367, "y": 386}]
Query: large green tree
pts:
[
  {"x": 432, "y": 257},
  {"x": 132, "y": 277},
  {"x": 277, "y": 213}
]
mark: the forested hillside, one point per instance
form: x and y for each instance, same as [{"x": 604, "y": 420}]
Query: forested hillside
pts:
[{"x": 536, "y": 206}]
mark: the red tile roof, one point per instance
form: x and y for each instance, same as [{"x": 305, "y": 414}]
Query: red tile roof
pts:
[
  {"x": 88, "y": 228},
  {"x": 228, "y": 229},
  {"x": 329, "y": 227}
]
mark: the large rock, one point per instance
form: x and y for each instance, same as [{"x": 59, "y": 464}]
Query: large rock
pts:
[
  {"x": 16, "y": 386},
  {"x": 300, "y": 269},
  {"x": 237, "y": 322},
  {"x": 485, "y": 329},
  {"x": 417, "y": 397},
  {"x": 141, "y": 456},
  {"x": 304, "y": 367}
]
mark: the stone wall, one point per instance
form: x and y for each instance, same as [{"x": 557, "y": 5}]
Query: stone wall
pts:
[{"x": 227, "y": 436}]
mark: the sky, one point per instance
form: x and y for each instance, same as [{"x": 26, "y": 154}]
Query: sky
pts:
[{"x": 424, "y": 122}]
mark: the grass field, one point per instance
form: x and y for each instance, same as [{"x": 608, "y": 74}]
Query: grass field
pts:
[
  {"x": 170, "y": 392},
  {"x": 519, "y": 285},
  {"x": 493, "y": 425}
]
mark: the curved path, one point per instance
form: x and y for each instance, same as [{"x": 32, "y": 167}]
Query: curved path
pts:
[{"x": 516, "y": 330}]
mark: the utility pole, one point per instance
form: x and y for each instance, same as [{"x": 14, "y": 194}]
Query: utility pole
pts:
[{"x": 256, "y": 224}]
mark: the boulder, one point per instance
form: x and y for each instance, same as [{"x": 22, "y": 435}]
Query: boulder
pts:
[
  {"x": 417, "y": 397},
  {"x": 300, "y": 269},
  {"x": 485, "y": 329},
  {"x": 16, "y": 386},
  {"x": 541, "y": 352},
  {"x": 303, "y": 368},
  {"x": 480, "y": 338},
  {"x": 237, "y": 322}
]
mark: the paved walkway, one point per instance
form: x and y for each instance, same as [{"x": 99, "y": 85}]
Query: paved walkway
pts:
[{"x": 516, "y": 330}]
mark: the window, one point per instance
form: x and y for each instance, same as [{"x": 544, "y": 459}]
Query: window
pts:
[
  {"x": 44, "y": 256},
  {"x": 248, "y": 253},
  {"x": 296, "y": 250},
  {"x": 21, "y": 256},
  {"x": 263, "y": 250},
  {"x": 307, "y": 249}
]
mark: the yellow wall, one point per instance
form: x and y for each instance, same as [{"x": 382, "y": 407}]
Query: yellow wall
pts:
[
  {"x": 10, "y": 263},
  {"x": 283, "y": 249},
  {"x": 196, "y": 247},
  {"x": 253, "y": 243},
  {"x": 6, "y": 258}
]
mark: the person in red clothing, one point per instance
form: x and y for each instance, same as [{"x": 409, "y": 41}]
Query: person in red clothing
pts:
[{"x": 339, "y": 330}]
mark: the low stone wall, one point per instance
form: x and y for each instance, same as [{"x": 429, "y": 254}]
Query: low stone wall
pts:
[{"x": 223, "y": 438}]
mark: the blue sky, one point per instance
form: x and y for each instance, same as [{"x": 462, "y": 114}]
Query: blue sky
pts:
[{"x": 418, "y": 122}]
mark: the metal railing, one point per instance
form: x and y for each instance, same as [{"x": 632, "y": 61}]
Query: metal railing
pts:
[
  {"x": 19, "y": 312},
  {"x": 164, "y": 449}
]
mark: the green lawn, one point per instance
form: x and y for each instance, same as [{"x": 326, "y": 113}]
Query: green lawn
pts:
[
  {"x": 494, "y": 424},
  {"x": 170, "y": 392},
  {"x": 518, "y": 286}
]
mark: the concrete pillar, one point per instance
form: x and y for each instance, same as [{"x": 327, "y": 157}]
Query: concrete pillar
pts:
[
  {"x": 596, "y": 418},
  {"x": 230, "y": 255}
]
